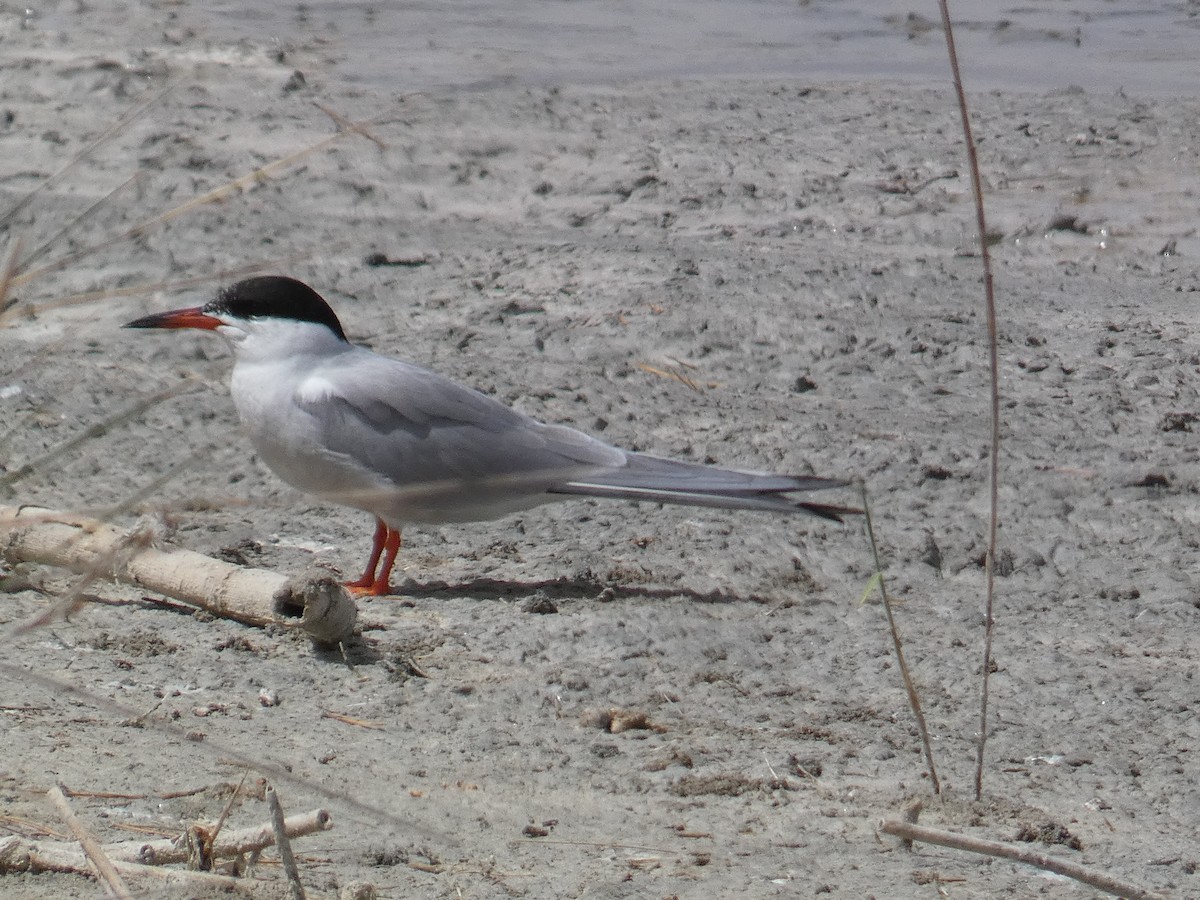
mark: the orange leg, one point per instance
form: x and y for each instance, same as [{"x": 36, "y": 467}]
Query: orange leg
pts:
[
  {"x": 382, "y": 586},
  {"x": 386, "y": 543},
  {"x": 368, "y": 577}
]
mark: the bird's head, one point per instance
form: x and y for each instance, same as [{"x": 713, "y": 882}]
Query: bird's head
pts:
[{"x": 271, "y": 311}]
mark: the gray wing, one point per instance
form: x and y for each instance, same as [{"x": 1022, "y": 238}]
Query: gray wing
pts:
[
  {"x": 413, "y": 427},
  {"x": 462, "y": 455}
]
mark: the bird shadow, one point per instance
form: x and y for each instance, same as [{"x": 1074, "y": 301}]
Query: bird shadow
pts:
[{"x": 571, "y": 587}]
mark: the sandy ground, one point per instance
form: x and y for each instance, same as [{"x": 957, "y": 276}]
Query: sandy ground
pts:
[{"x": 802, "y": 254}]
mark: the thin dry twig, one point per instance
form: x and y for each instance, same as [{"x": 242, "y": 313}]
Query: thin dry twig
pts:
[
  {"x": 41, "y": 251},
  {"x": 350, "y": 720},
  {"x": 994, "y": 368},
  {"x": 7, "y": 276},
  {"x": 227, "y": 845},
  {"x": 348, "y": 125},
  {"x": 117, "y": 795},
  {"x": 137, "y": 290},
  {"x": 97, "y": 429},
  {"x": 115, "y": 128},
  {"x": 914, "y": 700},
  {"x": 668, "y": 373},
  {"x": 284, "y": 845},
  {"x": 1099, "y": 880},
  {"x": 237, "y": 185},
  {"x": 95, "y": 853},
  {"x": 215, "y": 831}
]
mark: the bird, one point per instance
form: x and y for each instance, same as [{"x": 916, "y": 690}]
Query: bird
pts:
[{"x": 410, "y": 446}]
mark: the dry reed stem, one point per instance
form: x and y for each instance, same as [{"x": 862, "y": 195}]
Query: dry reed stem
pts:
[
  {"x": 237, "y": 185},
  {"x": 989, "y": 293},
  {"x": 137, "y": 290},
  {"x": 29, "y": 258},
  {"x": 914, "y": 700},
  {"x": 97, "y": 430},
  {"x": 348, "y": 125},
  {"x": 116, "y": 127},
  {"x": 228, "y": 845},
  {"x": 95, "y": 853},
  {"x": 225, "y": 753},
  {"x": 170, "y": 851},
  {"x": 7, "y": 276},
  {"x": 911, "y": 832},
  {"x": 75, "y": 599},
  {"x": 667, "y": 373}
]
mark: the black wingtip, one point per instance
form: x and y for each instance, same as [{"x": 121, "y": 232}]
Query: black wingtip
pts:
[{"x": 829, "y": 511}]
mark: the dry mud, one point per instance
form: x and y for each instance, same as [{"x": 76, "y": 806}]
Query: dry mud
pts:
[{"x": 801, "y": 255}]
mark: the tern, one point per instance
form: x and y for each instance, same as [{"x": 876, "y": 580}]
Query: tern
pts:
[{"x": 410, "y": 446}]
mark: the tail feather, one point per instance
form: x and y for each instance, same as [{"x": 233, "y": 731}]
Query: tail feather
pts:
[{"x": 650, "y": 478}]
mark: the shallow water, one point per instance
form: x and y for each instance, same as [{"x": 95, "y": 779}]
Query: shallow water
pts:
[{"x": 1145, "y": 47}]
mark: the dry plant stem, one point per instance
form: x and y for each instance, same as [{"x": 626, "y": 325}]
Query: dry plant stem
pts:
[
  {"x": 41, "y": 251},
  {"x": 95, "y": 853},
  {"x": 1098, "y": 880},
  {"x": 284, "y": 845},
  {"x": 216, "y": 829},
  {"x": 115, "y": 128},
  {"x": 6, "y": 277},
  {"x": 96, "y": 430},
  {"x": 75, "y": 598},
  {"x": 914, "y": 700},
  {"x": 994, "y": 365},
  {"x": 99, "y": 550},
  {"x": 224, "y": 753},
  {"x": 347, "y": 125},
  {"x": 137, "y": 290},
  {"x": 235, "y": 186}
]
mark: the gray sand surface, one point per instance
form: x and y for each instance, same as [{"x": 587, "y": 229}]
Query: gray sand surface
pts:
[{"x": 803, "y": 254}]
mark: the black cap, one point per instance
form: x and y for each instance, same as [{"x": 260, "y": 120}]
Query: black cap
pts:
[{"x": 277, "y": 297}]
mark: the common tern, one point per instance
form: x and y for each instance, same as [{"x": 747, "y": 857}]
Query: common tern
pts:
[{"x": 407, "y": 445}]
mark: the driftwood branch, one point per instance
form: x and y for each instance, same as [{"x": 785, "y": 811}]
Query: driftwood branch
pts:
[
  {"x": 1100, "y": 881},
  {"x": 253, "y": 596},
  {"x": 18, "y": 854}
]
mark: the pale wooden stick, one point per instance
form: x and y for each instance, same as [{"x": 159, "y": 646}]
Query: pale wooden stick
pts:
[
  {"x": 284, "y": 845},
  {"x": 95, "y": 853},
  {"x": 252, "y": 596},
  {"x": 1099, "y": 880}
]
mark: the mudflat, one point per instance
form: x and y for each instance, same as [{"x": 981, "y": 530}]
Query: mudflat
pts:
[{"x": 598, "y": 699}]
